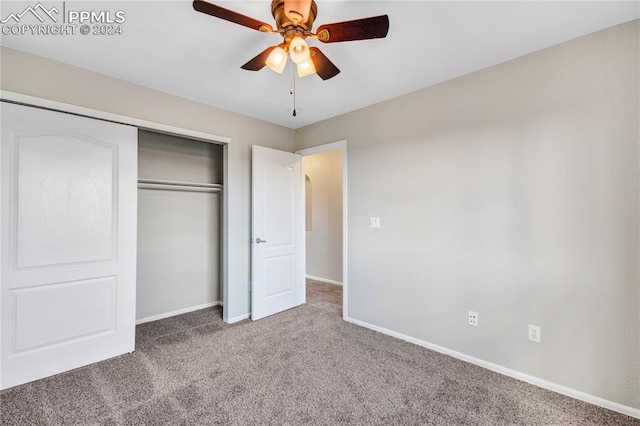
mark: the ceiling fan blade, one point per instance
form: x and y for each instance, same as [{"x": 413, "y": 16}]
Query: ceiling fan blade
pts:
[
  {"x": 257, "y": 63},
  {"x": 231, "y": 16},
  {"x": 358, "y": 29},
  {"x": 324, "y": 67}
]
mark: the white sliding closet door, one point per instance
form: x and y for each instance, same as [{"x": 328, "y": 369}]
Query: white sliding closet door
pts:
[{"x": 68, "y": 246}]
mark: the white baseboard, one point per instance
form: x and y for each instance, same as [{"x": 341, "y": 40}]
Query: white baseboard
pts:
[
  {"x": 573, "y": 393},
  {"x": 178, "y": 312},
  {"x": 237, "y": 319},
  {"x": 324, "y": 280}
]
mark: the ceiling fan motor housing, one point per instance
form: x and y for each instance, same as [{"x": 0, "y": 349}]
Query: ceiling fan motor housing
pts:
[{"x": 284, "y": 22}]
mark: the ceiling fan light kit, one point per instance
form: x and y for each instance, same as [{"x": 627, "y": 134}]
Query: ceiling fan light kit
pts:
[
  {"x": 299, "y": 50},
  {"x": 294, "y": 21},
  {"x": 277, "y": 59},
  {"x": 306, "y": 68}
]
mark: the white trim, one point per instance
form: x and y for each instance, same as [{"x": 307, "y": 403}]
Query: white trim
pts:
[
  {"x": 224, "y": 273},
  {"x": 238, "y": 318},
  {"x": 333, "y": 146},
  {"x": 324, "y": 280},
  {"x": 178, "y": 312},
  {"x": 342, "y": 146},
  {"x": 573, "y": 393},
  {"x": 102, "y": 115}
]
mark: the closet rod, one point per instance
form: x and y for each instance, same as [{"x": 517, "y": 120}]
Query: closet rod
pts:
[{"x": 170, "y": 185}]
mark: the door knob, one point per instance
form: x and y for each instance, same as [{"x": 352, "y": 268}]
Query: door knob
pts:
[{"x": 258, "y": 241}]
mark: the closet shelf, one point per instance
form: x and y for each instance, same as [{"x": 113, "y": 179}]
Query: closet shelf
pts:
[{"x": 171, "y": 185}]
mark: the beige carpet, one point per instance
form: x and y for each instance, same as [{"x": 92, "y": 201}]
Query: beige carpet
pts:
[{"x": 303, "y": 366}]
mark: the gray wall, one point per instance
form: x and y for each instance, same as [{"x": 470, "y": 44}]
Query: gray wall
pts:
[
  {"x": 37, "y": 76},
  {"x": 167, "y": 157},
  {"x": 513, "y": 192},
  {"x": 324, "y": 240},
  {"x": 178, "y": 264}
]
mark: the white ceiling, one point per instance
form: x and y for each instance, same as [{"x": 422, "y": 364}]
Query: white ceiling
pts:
[{"x": 168, "y": 46}]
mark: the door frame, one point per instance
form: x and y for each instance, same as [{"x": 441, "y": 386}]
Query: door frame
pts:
[
  {"x": 36, "y": 102},
  {"x": 340, "y": 145}
]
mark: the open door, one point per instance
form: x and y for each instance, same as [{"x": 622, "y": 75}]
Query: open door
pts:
[
  {"x": 277, "y": 272},
  {"x": 68, "y": 246}
]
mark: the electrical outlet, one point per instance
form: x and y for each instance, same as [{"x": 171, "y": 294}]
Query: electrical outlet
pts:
[
  {"x": 473, "y": 318},
  {"x": 534, "y": 333}
]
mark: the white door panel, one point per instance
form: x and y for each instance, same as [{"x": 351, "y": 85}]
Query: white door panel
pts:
[
  {"x": 68, "y": 246},
  {"x": 60, "y": 318},
  {"x": 277, "y": 249},
  {"x": 278, "y": 203},
  {"x": 71, "y": 179}
]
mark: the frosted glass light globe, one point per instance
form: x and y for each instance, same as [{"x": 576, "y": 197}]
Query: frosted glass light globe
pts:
[{"x": 299, "y": 50}]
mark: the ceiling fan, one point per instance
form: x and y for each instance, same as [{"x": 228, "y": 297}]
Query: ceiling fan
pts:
[{"x": 294, "y": 22}]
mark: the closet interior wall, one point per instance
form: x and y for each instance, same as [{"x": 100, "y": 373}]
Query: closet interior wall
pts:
[{"x": 179, "y": 225}]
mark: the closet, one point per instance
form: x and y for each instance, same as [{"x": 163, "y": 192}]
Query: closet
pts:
[
  {"x": 78, "y": 190},
  {"x": 180, "y": 184}
]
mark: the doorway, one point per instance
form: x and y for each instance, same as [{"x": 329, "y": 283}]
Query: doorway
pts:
[{"x": 325, "y": 177}]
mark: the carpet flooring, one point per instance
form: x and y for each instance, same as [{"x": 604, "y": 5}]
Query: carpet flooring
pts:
[{"x": 302, "y": 366}]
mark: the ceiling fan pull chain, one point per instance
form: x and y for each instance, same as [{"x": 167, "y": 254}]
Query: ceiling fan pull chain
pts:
[
  {"x": 293, "y": 83},
  {"x": 293, "y": 90}
]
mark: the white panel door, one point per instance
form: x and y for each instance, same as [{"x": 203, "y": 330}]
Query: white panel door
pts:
[
  {"x": 68, "y": 245},
  {"x": 277, "y": 273}
]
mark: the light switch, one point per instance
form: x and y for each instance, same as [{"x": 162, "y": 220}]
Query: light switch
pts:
[{"x": 374, "y": 222}]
